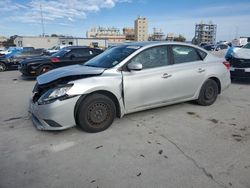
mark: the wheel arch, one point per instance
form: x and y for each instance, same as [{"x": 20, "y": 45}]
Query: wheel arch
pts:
[
  {"x": 217, "y": 80},
  {"x": 103, "y": 92},
  {"x": 4, "y": 64}
]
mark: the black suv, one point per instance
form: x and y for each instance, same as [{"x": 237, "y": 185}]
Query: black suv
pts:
[{"x": 67, "y": 56}]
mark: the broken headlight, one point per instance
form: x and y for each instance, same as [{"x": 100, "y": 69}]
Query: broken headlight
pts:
[{"x": 53, "y": 94}]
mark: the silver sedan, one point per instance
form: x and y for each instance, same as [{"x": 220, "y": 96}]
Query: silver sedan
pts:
[{"x": 124, "y": 79}]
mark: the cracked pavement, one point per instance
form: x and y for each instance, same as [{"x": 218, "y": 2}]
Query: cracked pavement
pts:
[{"x": 183, "y": 145}]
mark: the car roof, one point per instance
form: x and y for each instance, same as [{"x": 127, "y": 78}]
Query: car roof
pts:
[
  {"x": 74, "y": 47},
  {"x": 155, "y": 43}
]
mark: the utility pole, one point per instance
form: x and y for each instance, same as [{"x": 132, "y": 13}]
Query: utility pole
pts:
[{"x": 42, "y": 20}]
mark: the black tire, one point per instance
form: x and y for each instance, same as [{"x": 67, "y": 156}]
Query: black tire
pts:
[
  {"x": 208, "y": 93},
  {"x": 2, "y": 67},
  {"x": 95, "y": 113},
  {"x": 43, "y": 69}
]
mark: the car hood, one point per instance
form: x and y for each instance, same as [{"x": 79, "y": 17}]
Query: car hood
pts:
[
  {"x": 68, "y": 71},
  {"x": 35, "y": 59},
  {"x": 242, "y": 53}
]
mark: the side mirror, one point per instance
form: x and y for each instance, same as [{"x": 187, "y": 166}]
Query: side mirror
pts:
[{"x": 135, "y": 66}]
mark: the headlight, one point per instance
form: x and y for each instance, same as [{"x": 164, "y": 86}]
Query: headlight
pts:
[{"x": 54, "y": 94}]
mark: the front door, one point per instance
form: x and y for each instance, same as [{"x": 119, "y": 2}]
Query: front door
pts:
[{"x": 151, "y": 85}]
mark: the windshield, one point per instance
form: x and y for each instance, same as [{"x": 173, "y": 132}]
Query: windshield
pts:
[
  {"x": 247, "y": 46},
  {"x": 112, "y": 56},
  {"x": 60, "y": 53},
  {"x": 53, "y": 48}
]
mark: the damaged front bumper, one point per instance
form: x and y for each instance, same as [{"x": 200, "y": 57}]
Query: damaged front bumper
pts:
[{"x": 58, "y": 115}]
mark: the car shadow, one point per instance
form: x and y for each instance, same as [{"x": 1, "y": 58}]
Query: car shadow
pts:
[
  {"x": 27, "y": 78},
  {"x": 242, "y": 81}
]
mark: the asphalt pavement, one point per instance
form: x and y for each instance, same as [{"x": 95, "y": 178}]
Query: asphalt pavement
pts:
[{"x": 178, "y": 146}]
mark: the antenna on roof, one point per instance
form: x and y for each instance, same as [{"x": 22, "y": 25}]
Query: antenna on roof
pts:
[{"x": 42, "y": 20}]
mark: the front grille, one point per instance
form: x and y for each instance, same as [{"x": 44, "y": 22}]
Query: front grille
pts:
[{"x": 240, "y": 63}]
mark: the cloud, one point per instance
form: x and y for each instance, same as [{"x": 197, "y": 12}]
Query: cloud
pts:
[
  {"x": 55, "y": 10},
  {"x": 9, "y": 6},
  {"x": 223, "y": 9}
]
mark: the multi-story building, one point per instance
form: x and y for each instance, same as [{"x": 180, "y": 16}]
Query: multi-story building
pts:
[
  {"x": 157, "y": 35},
  {"x": 129, "y": 33},
  {"x": 205, "y": 33},
  {"x": 141, "y": 29},
  {"x": 2, "y": 40},
  {"x": 112, "y": 34},
  {"x": 170, "y": 37}
]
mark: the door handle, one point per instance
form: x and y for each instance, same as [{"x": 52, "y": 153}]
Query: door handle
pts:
[
  {"x": 200, "y": 70},
  {"x": 166, "y": 75}
]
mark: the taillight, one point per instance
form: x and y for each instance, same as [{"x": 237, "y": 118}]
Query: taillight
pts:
[
  {"x": 55, "y": 60},
  {"x": 227, "y": 64}
]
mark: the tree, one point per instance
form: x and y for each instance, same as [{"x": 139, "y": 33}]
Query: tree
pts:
[
  {"x": 10, "y": 41},
  {"x": 54, "y": 35},
  {"x": 180, "y": 38}
]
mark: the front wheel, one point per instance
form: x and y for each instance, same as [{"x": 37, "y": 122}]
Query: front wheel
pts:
[
  {"x": 208, "y": 93},
  {"x": 2, "y": 67},
  {"x": 95, "y": 113}
]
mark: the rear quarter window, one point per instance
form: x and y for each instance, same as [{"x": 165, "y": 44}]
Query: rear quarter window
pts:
[{"x": 202, "y": 54}]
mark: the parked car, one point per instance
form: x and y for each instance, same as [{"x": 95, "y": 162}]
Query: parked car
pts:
[
  {"x": 125, "y": 79},
  {"x": 217, "y": 47},
  {"x": 209, "y": 47},
  {"x": 240, "y": 62},
  {"x": 15, "y": 49},
  {"x": 67, "y": 56},
  {"x": 55, "y": 49},
  {"x": 11, "y": 61}
]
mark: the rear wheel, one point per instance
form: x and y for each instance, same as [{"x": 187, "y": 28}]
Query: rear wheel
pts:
[
  {"x": 43, "y": 69},
  {"x": 96, "y": 113},
  {"x": 2, "y": 67},
  {"x": 208, "y": 93}
]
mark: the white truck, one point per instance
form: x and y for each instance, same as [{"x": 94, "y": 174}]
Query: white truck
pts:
[{"x": 242, "y": 41}]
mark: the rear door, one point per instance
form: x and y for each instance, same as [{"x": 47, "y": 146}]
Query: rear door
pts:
[{"x": 188, "y": 71}]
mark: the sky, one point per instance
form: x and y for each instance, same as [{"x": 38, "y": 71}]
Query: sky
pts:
[{"x": 75, "y": 17}]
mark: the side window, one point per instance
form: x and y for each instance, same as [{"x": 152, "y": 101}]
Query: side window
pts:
[
  {"x": 152, "y": 57},
  {"x": 79, "y": 53},
  {"x": 96, "y": 51},
  {"x": 82, "y": 52},
  {"x": 183, "y": 54}
]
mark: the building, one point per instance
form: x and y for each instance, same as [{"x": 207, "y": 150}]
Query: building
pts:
[
  {"x": 111, "y": 34},
  {"x": 205, "y": 33},
  {"x": 2, "y": 40},
  {"x": 170, "y": 37},
  {"x": 48, "y": 42},
  {"x": 141, "y": 29},
  {"x": 129, "y": 33},
  {"x": 157, "y": 35}
]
